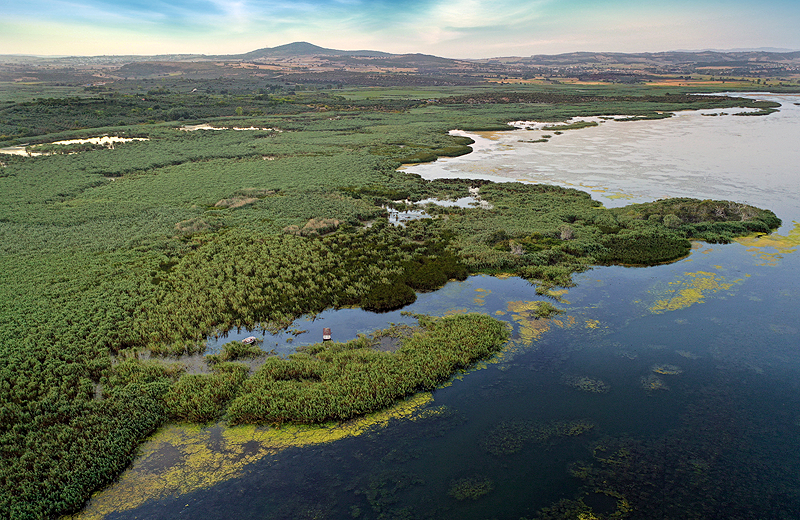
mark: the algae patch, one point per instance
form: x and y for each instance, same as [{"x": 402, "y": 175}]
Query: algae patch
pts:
[
  {"x": 586, "y": 384},
  {"x": 534, "y": 318},
  {"x": 181, "y": 459},
  {"x": 508, "y": 437},
  {"x": 653, "y": 382},
  {"x": 668, "y": 370},
  {"x": 688, "y": 290},
  {"x": 470, "y": 488},
  {"x": 480, "y": 298},
  {"x": 782, "y": 245}
]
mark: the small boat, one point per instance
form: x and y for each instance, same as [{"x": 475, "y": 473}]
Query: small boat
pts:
[
  {"x": 249, "y": 340},
  {"x": 326, "y": 334}
]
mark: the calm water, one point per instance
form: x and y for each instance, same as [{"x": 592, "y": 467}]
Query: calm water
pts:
[{"x": 688, "y": 373}]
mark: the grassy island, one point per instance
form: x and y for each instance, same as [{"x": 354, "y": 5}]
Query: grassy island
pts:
[{"x": 149, "y": 246}]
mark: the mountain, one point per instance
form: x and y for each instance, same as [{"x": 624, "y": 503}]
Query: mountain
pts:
[
  {"x": 304, "y": 49},
  {"x": 303, "y": 62}
]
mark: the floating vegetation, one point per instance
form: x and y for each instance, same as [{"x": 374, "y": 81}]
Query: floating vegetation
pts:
[
  {"x": 782, "y": 329},
  {"x": 182, "y": 459},
  {"x": 534, "y": 309},
  {"x": 509, "y": 436},
  {"x": 586, "y": 384},
  {"x": 710, "y": 466},
  {"x": 687, "y": 354},
  {"x": 691, "y": 289},
  {"x": 653, "y": 382},
  {"x": 471, "y": 488},
  {"x": 480, "y": 298},
  {"x": 566, "y": 509},
  {"x": 534, "y": 318},
  {"x": 782, "y": 245},
  {"x": 556, "y": 294},
  {"x": 668, "y": 370},
  {"x": 383, "y": 489}
]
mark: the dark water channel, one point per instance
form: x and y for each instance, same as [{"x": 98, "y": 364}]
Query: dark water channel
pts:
[{"x": 666, "y": 392}]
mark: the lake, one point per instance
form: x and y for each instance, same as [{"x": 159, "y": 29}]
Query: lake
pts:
[{"x": 661, "y": 392}]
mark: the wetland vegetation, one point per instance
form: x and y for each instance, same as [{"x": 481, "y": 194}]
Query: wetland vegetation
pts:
[{"x": 108, "y": 255}]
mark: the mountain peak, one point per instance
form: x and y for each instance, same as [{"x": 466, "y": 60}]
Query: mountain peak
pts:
[{"x": 307, "y": 49}]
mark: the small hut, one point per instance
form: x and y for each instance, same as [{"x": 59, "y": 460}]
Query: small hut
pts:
[{"x": 326, "y": 334}]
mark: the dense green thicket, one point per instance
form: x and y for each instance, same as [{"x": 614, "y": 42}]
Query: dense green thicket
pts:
[
  {"x": 47, "y": 116},
  {"x": 634, "y": 103},
  {"x": 203, "y": 397},
  {"x": 154, "y": 244},
  {"x": 546, "y": 233},
  {"x": 244, "y": 278},
  {"x": 339, "y": 381}
]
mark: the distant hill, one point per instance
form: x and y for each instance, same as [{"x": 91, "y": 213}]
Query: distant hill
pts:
[
  {"x": 303, "y": 62},
  {"x": 308, "y": 50},
  {"x": 759, "y": 49},
  {"x": 707, "y": 58},
  {"x": 303, "y": 49}
]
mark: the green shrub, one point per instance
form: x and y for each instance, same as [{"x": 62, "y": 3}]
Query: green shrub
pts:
[
  {"x": 388, "y": 296},
  {"x": 202, "y": 397},
  {"x": 646, "y": 247},
  {"x": 233, "y": 350}
]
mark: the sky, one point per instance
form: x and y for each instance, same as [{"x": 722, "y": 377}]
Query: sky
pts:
[{"x": 448, "y": 28}]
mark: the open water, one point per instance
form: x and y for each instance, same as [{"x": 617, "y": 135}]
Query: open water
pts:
[{"x": 666, "y": 392}]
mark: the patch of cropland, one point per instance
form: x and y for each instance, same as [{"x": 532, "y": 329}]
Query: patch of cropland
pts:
[{"x": 143, "y": 249}]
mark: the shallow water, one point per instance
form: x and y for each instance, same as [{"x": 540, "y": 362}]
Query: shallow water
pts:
[
  {"x": 692, "y": 367},
  {"x": 742, "y": 158}
]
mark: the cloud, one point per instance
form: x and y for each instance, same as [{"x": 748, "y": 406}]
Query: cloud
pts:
[{"x": 466, "y": 28}]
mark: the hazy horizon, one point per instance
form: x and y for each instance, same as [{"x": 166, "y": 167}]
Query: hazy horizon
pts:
[
  {"x": 599, "y": 51},
  {"x": 466, "y": 29}
]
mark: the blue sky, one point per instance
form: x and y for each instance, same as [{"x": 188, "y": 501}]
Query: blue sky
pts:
[{"x": 451, "y": 28}]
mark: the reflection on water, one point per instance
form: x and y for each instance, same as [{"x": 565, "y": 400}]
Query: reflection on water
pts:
[
  {"x": 418, "y": 210},
  {"x": 664, "y": 392}
]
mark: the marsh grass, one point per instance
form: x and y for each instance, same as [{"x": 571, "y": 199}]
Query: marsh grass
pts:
[
  {"x": 343, "y": 380},
  {"x": 235, "y": 350}
]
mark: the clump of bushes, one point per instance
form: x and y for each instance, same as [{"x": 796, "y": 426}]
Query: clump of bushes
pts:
[
  {"x": 642, "y": 247},
  {"x": 314, "y": 227},
  {"x": 234, "y": 350},
  {"x": 192, "y": 226},
  {"x": 202, "y": 398},
  {"x": 388, "y": 296}
]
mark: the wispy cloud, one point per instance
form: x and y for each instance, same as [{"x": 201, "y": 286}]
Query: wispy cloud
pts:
[{"x": 465, "y": 28}]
